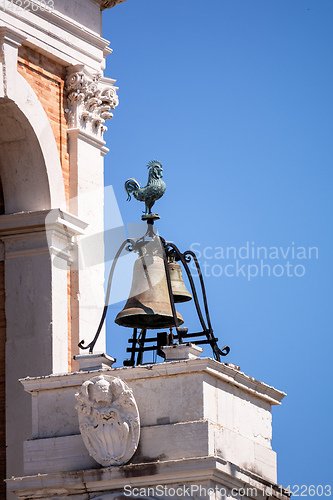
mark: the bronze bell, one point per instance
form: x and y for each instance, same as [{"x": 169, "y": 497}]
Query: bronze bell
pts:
[
  {"x": 148, "y": 305},
  {"x": 179, "y": 290}
]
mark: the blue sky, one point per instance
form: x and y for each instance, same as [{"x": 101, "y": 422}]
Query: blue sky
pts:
[{"x": 234, "y": 97}]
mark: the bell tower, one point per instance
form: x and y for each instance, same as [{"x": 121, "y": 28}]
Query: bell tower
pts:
[{"x": 75, "y": 427}]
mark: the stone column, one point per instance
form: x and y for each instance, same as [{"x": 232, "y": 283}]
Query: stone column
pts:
[
  {"x": 91, "y": 97},
  {"x": 37, "y": 251}
]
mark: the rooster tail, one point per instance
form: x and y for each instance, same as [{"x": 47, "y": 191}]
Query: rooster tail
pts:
[{"x": 130, "y": 186}]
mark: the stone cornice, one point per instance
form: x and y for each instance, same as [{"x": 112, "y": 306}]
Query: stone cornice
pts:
[
  {"x": 44, "y": 232},
  {"x": 11, "y": 36},
  {"x": 111, "y": 479},
  {"x": 63, "y": 38},
  {"x": 28, "y": 222},
  {"x": 108, "y": 4},
  {"x": 214, "y": 368}
]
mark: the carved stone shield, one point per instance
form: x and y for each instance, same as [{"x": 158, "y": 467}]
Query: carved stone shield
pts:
[{"x": 108, "y": 419}]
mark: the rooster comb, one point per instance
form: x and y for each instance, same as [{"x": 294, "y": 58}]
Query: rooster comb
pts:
[{"x": 153, "y": 163}]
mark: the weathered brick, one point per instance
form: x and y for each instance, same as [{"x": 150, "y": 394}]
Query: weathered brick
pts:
[{"x": 47, "y": 79}]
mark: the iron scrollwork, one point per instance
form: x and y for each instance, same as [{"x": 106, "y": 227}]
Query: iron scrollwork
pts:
[{"x": 138, "y": 341}]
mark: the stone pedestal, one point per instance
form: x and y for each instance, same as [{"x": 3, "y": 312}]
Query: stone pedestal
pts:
[
  {"x": 204, "y": 426},
  {"x": 90, "y": 362},
  {"x": 181, "y": 352}
]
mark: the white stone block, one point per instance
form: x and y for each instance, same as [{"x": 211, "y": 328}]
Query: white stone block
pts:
[
  {"x": 245, "y": 453},
  {"x": 61, "y": 454},
  {"x": 226, "y": 404},
  {"x": 178, "y": 398},
  {"x": 98, "y": 361},
  {"x": 265, "y": 462},
  {"x": 172, "y": 442},
  {"x": 180, "y": 352},
  {"x": 55, "y": 413},
  {"x": 157, "y": 443}
]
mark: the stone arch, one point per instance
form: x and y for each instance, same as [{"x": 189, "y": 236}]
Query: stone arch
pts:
[{"x": 30, "y": 167}]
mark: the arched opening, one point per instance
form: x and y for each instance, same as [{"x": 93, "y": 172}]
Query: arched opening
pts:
[{"x": 22, "y": 166}]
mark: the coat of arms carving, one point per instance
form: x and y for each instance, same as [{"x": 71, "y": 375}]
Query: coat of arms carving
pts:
[{"x": 108, "y": 419}]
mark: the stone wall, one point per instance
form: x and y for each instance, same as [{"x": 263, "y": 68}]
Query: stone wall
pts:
[{"x": 2, "y": 370}]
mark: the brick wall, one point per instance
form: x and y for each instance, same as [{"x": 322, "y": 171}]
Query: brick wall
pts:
[{"x": 47, "y": 78}]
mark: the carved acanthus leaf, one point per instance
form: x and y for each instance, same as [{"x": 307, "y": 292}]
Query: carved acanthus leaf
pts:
[
  {"x": 91, "y": 97},
  {"x": 108, "y": 4}
]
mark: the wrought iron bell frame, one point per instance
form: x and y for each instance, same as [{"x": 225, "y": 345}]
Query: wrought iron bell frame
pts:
[{"x": 169, "y": 251}]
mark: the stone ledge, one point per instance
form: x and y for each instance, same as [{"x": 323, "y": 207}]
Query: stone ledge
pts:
[
  {"x": 69, "y": 454},
  {"x": 29, "y": 222},
  {"x": 70, "y": 41},
  {"x": 168, "y": 472},
  {"x": 171, "y": 368},
  {"x": 194, "y": 439}
]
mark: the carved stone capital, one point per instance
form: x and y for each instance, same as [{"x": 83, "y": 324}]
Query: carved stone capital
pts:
[
  {"x": 90, "y": 97},
  {"x": 108, "y": 419},
  {"x": 108, "y": 4}
]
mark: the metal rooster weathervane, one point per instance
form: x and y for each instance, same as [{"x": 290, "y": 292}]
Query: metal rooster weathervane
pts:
[{"x": 153, "y": 191}]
